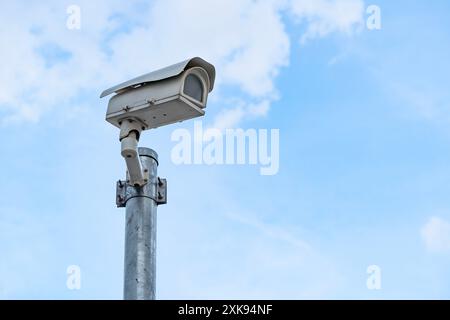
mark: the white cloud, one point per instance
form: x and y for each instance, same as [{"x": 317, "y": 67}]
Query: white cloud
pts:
[
  {"x": 245, "y": 39},
  {"x": 230, "y": 118},
  {"x": 428, "y": 102},
  {"x": 274, "y": 232},
  {"x": 325, "y": 17},
  {"x": 436, "y": 235}
]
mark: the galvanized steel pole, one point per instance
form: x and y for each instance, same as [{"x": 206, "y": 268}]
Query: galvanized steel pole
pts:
[{"x": 140, "y": 229}]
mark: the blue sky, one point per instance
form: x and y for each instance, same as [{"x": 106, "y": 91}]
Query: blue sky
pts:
[{"x": 363, "y": 180}]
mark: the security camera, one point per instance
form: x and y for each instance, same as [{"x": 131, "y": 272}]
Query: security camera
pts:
[{"x": 172, "y": 94}]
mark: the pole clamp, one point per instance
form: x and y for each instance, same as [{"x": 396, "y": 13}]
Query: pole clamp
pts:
[{"x": 125, "y": 192}]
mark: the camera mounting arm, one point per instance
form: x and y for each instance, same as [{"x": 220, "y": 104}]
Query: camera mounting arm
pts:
[
  {"x": 173, "y": 94},
  {"x": 130, "y": 131}
]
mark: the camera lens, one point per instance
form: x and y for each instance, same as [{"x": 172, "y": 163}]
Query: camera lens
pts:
[{"x": 193, "y": 87}]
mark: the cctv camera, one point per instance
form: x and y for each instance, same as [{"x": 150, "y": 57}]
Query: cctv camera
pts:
[
  {"x": 172, "y": 94},
  {"x": 175, "y": 93}
]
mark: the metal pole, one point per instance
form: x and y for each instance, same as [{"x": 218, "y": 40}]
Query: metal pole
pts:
[{"x": 140, "y": 231}]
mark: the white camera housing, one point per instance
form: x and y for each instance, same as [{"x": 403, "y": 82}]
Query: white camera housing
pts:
[{"x": 172, "y": 94}]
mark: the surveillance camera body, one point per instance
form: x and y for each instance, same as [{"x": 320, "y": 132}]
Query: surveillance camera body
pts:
[
  {"x": 173, "y": 94},
  {"x": 166, "y": 96}
]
